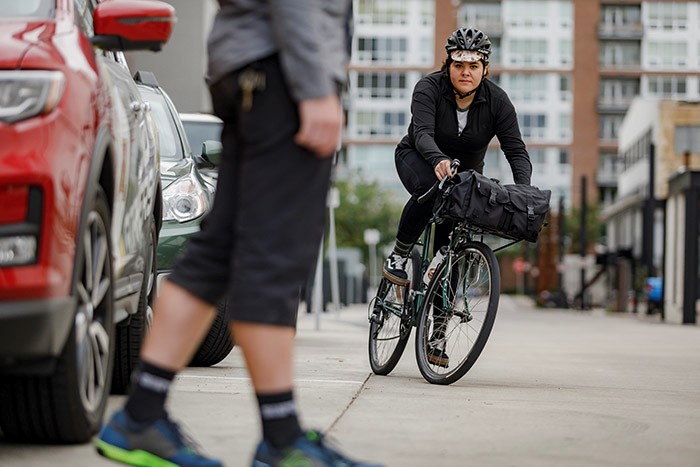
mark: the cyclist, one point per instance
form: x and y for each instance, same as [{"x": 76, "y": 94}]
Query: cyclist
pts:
[{"x": 455, "y": 112}]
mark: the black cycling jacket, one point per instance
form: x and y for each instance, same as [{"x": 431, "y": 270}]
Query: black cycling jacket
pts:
[{"x": 433, "y": 128}]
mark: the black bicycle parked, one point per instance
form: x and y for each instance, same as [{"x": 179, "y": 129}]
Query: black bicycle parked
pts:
[{"x": 452, "y": 301}]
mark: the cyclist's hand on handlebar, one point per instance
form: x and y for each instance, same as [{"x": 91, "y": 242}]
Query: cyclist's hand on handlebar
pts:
[{"x": 444, "y": 169}]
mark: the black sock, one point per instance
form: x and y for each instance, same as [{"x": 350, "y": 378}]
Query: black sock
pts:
[
  {"x": 149, "y": 389},
  {"x": 278, "y": 413},
  {"x": 401, "y": 248}
]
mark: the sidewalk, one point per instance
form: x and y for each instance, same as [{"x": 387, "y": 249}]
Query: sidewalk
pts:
[{"x": 552, "y": 388}]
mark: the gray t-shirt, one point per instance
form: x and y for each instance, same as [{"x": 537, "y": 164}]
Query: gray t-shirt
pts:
[{"x": 310, "y": 36}]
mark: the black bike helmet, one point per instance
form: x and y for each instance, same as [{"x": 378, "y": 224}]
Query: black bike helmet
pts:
[{"x": 469, "y": 39}]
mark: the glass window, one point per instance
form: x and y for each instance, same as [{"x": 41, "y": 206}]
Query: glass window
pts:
[
  {"x": 485, "y": 16},
  {"x": 528, "y": 13},
  {"x": 27, "y": 8},
  {"x": 565, "y": 52},
  {"x": 533, "y": 125},
  {"x": 523, "y": 87},
  {"x": 610, "y": 126},
  {"x": 383, "y": 49},
  {"x": 381, "y": 12},
  {"x": 565, "y": 125},
  {"x": 617, "y": 54},
  {"x": 528, "y": 51},
  {"x": 618, "y": 92},
  {"x": 667, "y": 15},
  {"x": 382, "y": 85},
  {"x": 168, "y": 139},
  {"x": 565, "y": 88},
  {"x": 667, "y": 54},
  {"x": 667, "y": 86}
]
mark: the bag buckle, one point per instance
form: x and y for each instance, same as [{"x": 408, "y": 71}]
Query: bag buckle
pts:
[
  {"x": 530, "y": 212},
  {"x": 492, "y": 198}
]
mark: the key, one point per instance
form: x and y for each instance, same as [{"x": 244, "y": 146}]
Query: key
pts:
[{"x": 250, "y": 81}]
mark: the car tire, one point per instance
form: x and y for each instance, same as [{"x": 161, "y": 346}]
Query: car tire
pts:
[
  {"x": 129, "y": 335},
  {"x": 67, "y": 405},
  {"x": 218, "y": 342}
]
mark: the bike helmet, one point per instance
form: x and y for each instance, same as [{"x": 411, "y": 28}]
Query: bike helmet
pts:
[{"x": 468, "y": 45}]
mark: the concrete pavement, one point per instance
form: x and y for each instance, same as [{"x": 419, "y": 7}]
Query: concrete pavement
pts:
[{"x": 552, "y": 388}]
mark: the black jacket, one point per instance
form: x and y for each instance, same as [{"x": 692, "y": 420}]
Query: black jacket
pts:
[{"x": 433, "y": 128}]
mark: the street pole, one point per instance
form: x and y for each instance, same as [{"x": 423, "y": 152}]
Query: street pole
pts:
[
  {"x": 371, "y": 237},
  {"x": 584, "y": 241},
  {"x": 333, "y": 202},
  {"x": 317, "y": 299}
]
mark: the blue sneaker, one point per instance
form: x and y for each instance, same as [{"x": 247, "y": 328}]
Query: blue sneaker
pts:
[
  {"x": 308, "y": 450},
  {"x": 158, "y": 444}
]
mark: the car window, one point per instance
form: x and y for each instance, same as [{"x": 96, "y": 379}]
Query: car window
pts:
[
  {"x": 199, "y": 132},
  {"x": 168, "y": 139},
  {"x": 27, "y": 8}
]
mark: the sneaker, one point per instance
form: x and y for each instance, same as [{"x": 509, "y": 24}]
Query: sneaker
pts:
[
  {"x": 160, "y": 443},
  {"x": 437, "y": 356},
  {"x": 395, "y": 269},
  {"x": 310, "y": 449}
]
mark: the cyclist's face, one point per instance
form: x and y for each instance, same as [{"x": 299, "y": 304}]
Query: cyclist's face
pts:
[{"x": 466, "y": 76}]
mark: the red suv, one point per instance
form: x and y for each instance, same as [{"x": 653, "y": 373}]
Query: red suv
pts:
[{"x": 80, "y": 208}]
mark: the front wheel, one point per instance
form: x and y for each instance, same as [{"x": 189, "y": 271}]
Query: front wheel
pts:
[
  {"x": 390, "y": 321},
  {"x": 458, "y": 313}
]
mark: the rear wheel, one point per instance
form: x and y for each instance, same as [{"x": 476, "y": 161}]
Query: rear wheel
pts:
[
  {"x": 390, "y": 320},
  {"x": 68, "y": 405},
  {"x": 458, "y": 314},
  {"x": 129, "y": 335},
  {"x": 218, "y": 342}
]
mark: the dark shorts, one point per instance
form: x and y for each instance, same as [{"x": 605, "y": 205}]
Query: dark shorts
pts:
[{"x": 258, "y": 243}]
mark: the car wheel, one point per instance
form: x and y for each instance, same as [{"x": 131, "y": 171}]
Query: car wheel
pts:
[
  {"x": 129, "y": 336},
  {"x": 68, "y": 405},
  {"x": 218, "y": 342}
]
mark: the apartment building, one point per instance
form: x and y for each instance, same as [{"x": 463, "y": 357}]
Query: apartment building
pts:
[{"x": 571, "y": 67}]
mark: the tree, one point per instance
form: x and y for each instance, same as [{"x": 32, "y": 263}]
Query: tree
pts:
[
  {"x": 594, "y": 228},
  {"x": 365, "y": 205}
]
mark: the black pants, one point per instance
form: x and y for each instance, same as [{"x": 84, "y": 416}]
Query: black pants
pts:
[
  {"x": 263, "y": 233},
  {"x": 418, "y": 176}
]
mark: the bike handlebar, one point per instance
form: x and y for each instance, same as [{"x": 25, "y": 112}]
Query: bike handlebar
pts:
[{"x": 454, "y": 165}]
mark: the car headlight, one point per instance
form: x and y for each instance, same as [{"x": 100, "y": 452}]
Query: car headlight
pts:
[
  {"x": 184, "y": 200},
  {"x": 27, "y": 93}
]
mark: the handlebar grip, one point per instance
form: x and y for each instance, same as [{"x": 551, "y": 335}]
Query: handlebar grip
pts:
[{"x": 424, "y": 197}]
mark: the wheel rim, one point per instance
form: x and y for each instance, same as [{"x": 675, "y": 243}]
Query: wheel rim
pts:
[
  {"x": 148, "y": 318},
  {"x": 94, "y": 300},
  {"x": 455, "y": 323},
  {"x": 386, "y": 334}
]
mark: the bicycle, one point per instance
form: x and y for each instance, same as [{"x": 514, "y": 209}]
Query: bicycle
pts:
[{"x": 452, "y": 303}]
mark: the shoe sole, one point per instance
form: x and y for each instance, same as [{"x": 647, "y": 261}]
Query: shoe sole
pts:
[
  {"x": 439, "y": 361},
  {"x": 137, "y": 457},
  {"x": 395, "y": 280}
]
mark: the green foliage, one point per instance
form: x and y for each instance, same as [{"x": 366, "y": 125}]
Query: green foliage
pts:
[
  {"x": 595, "y": 229},
  {"x": 365, "y": 205}
]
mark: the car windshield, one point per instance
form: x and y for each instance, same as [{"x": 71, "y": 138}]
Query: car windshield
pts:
[
  {"x": 199, "y": 132},
  {"x": 169, "y": 142},
  {"x": 27, "y": 8}
]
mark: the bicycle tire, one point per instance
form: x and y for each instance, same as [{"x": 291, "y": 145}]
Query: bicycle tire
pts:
[
  {"x": 389, "y": 334},
  {"x": 453, "y": 328}
]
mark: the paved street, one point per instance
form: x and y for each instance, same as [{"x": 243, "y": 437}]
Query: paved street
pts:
[{"x": 552, "y": 388}]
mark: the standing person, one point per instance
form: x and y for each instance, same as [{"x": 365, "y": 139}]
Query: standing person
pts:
[
  {"x": 456, "y": 112},
  {"x": 275, "y": 68}
]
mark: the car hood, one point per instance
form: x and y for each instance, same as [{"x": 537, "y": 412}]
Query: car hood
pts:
[{"x": 21, "y": 39}]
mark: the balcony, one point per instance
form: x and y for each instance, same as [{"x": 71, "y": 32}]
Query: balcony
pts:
[
  {"x": 627, "y": 32},
  {"x": 613, "y": 106}
]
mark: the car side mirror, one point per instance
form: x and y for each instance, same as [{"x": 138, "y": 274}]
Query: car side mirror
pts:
[
  {"x": 132, "y": 24},
  {"x": 211, "y": 151}
]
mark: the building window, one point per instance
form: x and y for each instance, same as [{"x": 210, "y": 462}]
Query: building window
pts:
[
  {"x": 381, "y": 85},
  {"x": 618, "y": 18},
  {"x": 667, "y": 15},
  {"x": 565, "y": 88},
  {"x": 610, "y": 126},
  {"x": 528, "y": 13},
  {"x": 374, "y": 123},
  {"x": 528, "y": 51},
  {"x": 563, "y": 161},
  {"x": 566, "y": 14},
  {"x": 533, "y": 125},
  {"x": 667, "y": 86},
  {"x": 565, "y": 52},
  {"x": 381, "y": 12},
  {"x": 382, "y": 49},
  {"x": 667, "y": 54},
  {"x": 618, "y": 92},
  {"x": 619, "y": 54},
  {"x": 523, "y": 87},
  {"x": 485, "y": 16},
  {"x": 565, "y": 126}
]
